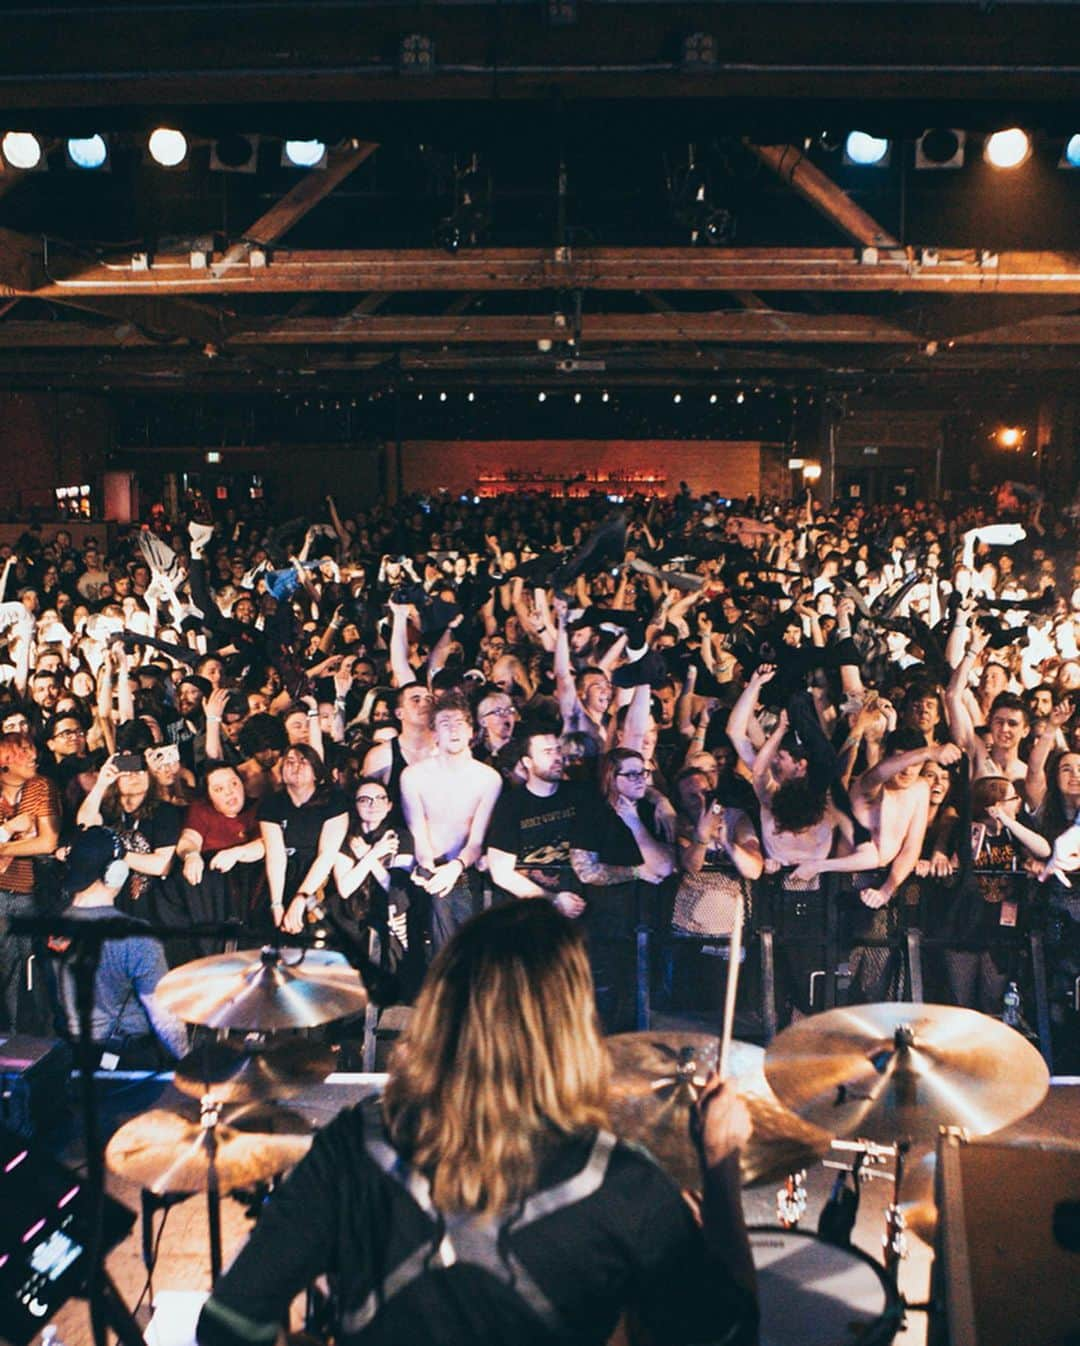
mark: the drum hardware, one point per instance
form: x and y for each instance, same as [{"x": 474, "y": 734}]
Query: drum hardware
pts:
[
  {"x": 791, "y": 1200},
  {"x": 868, "y": 1162}
]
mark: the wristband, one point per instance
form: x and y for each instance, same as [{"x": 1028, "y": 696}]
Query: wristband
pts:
[
  {"x": 313, "y": 714},
  {"x": 213, "y": 719},
  {"x": 340, "y": 701}
]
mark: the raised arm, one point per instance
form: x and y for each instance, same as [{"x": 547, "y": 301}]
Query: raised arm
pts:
[
  {"x": 401, "y": 670},
  {"x": 738, "y": 725}
]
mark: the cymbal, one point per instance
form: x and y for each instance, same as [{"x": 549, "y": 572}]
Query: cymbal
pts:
[
  {"x": 263, "y": 989},
  {"x": 167, "y": 1152},
  {"x": 900, "y": 1071},
  {"x": 655, "y": 1083},
  {"x": 234, "y": 1072}
]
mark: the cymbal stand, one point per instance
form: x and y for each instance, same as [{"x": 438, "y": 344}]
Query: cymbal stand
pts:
[
  {"x": 209, "y": 1115},
  {"x": 869, "y": 1161}
]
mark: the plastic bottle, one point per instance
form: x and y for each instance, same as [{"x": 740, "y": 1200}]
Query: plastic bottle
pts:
[{"x": 1010, "y": 1006}]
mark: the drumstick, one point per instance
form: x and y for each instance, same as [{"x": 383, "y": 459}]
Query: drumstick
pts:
[{"x": 734, "y": 956}]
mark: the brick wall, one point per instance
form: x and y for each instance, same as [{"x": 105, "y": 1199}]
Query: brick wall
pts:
[{"x": 732, "y": 468}]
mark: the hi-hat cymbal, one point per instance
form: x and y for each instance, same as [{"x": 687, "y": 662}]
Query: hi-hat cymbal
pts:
[
  {"x": 655, "y": 1083},
  {"x": 166, "y": 1152},
  {"x": 235, "y": 1072},
  {"x": 900, "y": 1071},
  {"x": 263, "y": 989}
]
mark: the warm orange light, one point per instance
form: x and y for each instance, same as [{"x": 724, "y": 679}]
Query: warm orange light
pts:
[
  {"x": 811, "y": 471},
  {"x": 1010, "y": 436}
]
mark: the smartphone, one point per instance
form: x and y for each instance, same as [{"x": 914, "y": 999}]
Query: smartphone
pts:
[{"x": 129, "y": 761}]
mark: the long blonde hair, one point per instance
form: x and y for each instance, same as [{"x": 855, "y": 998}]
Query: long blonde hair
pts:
[{"x": 502, "y": 1053}]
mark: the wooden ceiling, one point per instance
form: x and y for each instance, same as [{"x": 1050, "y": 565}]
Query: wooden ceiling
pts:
[{"x": 592, "y": 135}]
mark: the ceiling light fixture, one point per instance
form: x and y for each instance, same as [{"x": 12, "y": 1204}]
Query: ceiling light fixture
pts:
[
  {"x": 22, "y": 150},
  {"x": 863, "y": 150},
  {"x": 303, "y": 154},
  {"x": 168, "y": 147},
  {"x": 88, "y": 152},
  {"x": 1007, "y": 149}
]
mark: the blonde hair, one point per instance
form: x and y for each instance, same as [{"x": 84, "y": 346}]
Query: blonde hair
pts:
[{"x": 502, "y": 1054}]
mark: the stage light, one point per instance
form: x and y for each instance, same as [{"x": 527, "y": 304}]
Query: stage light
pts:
[
  {"x": 234, "y": 153},
  {"x": 167, "y": 147},
  {"x": 940, "y": 147},
  {"x": 1070, "y": 155},
  {"x": 541, "y": 397},
  {"x": 713, "y": 399},
  {"x": 416, "y": 54},
  {"x": 740, "y": 398},
  {"x": 472, "y": 397},
  {"x": 22, "y": 150},
  {"x": 1010, "y": 436},
  {"x": 811, "y": 471},
  {"x": 677, "y": 398},
  {"x": 577, "y": 399},
  {"x": 88, "y": 152},
  {"x": 303, "y": 154},
  {"x": 419, "y": 397},
  {"x": 603, "y": 397},
  {"x": 866, "y": 151},
  {"x": 1007, "y": 149},
  {"x": 442, "y": 397}
]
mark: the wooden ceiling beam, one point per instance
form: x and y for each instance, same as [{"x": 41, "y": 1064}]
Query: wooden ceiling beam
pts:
[
  {"x": 805, "y": 179},
  {"x": 838, "y": 270},
  {"x": 313, "y": 187}
]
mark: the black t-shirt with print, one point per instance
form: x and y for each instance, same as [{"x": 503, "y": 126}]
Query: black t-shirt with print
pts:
[{"x": 536, "y": 830}]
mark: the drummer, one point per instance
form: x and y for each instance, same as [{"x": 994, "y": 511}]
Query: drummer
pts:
[
  {"x": 130, "y": 1029},
  {"x": 485, "y": 1202}
]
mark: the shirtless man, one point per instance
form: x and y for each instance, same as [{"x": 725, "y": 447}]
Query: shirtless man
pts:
[
  {"x": 1009, "y": 720},
  {"x": 802, "y": 827},
  {"x": 415, "y": 741},
  {"x": 892, "y": 800},
  {"x": 448, "y": 800}
]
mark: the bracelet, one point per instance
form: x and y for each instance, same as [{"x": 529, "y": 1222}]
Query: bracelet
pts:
[
  {"x": 213, "y": 719},
  {"x": 340, "y": 701},
  {"x": 313, "y": 714}
]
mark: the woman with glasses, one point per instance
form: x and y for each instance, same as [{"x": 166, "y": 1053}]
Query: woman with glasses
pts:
[
  {"x": 373, "y": 891},
  {"x": 614, "y": 847}
]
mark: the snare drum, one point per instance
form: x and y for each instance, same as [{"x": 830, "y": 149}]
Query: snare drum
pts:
[{"x": 815, "y": 1294}]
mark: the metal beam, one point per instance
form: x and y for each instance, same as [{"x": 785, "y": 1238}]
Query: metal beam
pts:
[
  {"x": 792, "y": 166},
  {"x": 838, "y": 270}
]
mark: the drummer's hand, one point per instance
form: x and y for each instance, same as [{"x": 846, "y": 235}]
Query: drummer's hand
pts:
[
  {"x": 725, "y": 1121},
  {"x": 293, "y": 920}
]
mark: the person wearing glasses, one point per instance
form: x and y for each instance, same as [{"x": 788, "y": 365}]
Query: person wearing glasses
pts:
[
  {"x": 615, "y": 845},
  {"x": 372, "y": 878},
  {"x": 498, "y": 718}
]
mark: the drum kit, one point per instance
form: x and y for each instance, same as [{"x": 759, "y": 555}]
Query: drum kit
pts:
[{"x": 871, "y": 1086}]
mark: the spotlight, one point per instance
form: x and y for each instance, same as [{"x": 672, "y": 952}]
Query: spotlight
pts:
[
  {"x": 1010, "y": 436},
  {"x": 22, "y": 150},
  {"x": 234, "y": 153},
  {"x": 577, "y": 399},
  {"x": 442, "y": 397},
  {"x": 541, "y": 397},
  {"x": 419, "y": 397},
  {"x": 88, "y": 152},
  {"x": 677, "y": 398},
  {"x": 1007, "y": 149},
  {"x": 713, "y": 399},
  {"x": 303, "y": 154},
  {"x": 472, "y": 397},
  {"x": 1070, "y": 155},
  {"x": 940, "y": 147},
  {"x": 866, "y": 151},
  {"x": 603, "y": 397},
  {"x": 740, "y": 397},
  {"x": 811, "y": 471},
  {"x": 167, "y": 147},
  {"x": 416, "y": 54}
]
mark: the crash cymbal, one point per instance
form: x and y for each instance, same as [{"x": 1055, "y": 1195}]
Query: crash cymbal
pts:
[
  {"x": 655, "y": 1083},
  {"x": 237, "y": 1072},
  {"x": 263, "y": 989},
  {"x": 900, "y": 1071},
  {"x": 167, "y": 1152}
]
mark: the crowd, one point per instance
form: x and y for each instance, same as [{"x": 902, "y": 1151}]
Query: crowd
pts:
[{"x": 842, "y": 716}]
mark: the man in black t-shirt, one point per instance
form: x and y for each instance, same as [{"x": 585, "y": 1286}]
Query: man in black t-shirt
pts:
[{"x": 528, "y": 840}]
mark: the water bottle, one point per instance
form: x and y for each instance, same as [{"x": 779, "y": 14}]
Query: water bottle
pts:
[{"x": 1010, "y": 1006}]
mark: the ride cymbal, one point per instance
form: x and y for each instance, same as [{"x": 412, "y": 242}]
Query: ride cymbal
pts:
[
  {"x": 263, "y": 989},
  {"x": 900, "y": 1071},
  {"x": 655, "y": 1083}
]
